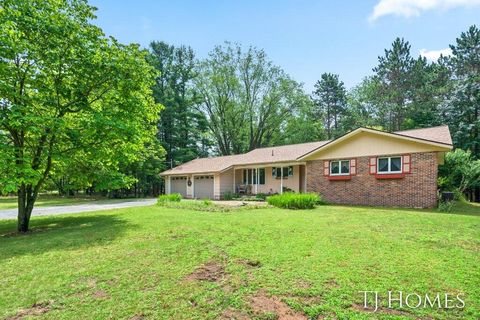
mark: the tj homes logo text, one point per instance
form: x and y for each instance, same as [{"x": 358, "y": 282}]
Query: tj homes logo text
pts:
[{"x": 412, "y": 300}]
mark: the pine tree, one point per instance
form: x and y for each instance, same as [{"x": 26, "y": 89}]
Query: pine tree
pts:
[
  {"x": 330, "y": 98},
  {"x": 182, "y": 129},
  {"x": 462, "y": 108},
  {"x": 394, "y": 72}
]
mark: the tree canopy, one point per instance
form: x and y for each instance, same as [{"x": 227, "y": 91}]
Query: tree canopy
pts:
[
  {"x": 245, "y": 97},
  {"x": 70, "y": 97}
]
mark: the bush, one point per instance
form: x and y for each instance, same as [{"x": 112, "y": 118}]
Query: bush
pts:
[
  {"x": 295, "y": 200},
  {"x": 174, "y": 197}
]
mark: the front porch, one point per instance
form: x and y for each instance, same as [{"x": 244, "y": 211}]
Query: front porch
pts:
[{"x": 269, "y": 179}]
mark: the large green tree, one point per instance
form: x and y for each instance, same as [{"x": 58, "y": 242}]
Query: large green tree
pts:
[
  {"x": 246, "y": 99},
  {"x": 462, "y": 106},
  {"x": 302, "y": 126},
  {"x": 394, "y": 75},
  {"x": 182, "y": 129},
  {"x": 68, "y": 94},
  {"x": 330, "y": 99},
  {"x": 362, "y": 106}
]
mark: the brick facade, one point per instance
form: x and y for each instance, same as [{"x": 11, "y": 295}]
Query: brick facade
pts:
[{"x": 417, "y": 189}]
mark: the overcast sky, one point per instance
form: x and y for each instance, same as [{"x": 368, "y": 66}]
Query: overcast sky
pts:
[{"x": 305, "y": 38}]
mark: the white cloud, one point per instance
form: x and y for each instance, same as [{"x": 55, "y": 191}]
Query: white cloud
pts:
[
  {"x": 433, "y": 55},
  {"x": 413, "y": 8}
]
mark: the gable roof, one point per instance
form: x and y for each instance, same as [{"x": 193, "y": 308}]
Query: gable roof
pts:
[{"x": 437, "y": 136}]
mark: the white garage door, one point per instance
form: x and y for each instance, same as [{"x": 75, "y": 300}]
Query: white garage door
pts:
[
  {"x": 203, "y": 187},
  {"x": 179, "y": 185}
]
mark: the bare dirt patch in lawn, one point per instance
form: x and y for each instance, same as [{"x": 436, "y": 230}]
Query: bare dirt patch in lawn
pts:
[
  {"x": 261, "y": 304},
  {"x": 332, "y": 283},
  {"x": 212, "y": 271},
  {"x": 100, "y": 294},
  {"x": 35, "y": 310},
  {"x": 303, "y": 284}
]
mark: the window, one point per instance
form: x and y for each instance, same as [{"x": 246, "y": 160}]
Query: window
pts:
[
  {"x": 261, "y": 175},
  {"x": 339, "y": 167},
  {"x": 287, "y": 172},
  {"x": 389, "y": 165},
  {"x": 250, "y": 176}
]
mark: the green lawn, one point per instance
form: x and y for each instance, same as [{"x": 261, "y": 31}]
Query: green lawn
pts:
[{"x": 159, "y": 263}]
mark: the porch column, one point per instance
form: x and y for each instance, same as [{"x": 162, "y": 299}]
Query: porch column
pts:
[
  {"x": 305, "y": 178},
  {"x": 281, "y": 180},
  {"x": 256, "y": 185},
  {"x": 234, "y": 189}
]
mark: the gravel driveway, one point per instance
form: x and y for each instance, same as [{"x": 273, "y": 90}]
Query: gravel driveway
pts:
[{"x": 94, "y": 206}]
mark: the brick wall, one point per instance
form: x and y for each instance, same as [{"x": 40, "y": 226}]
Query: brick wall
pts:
[{"x": 416, "y": 190}]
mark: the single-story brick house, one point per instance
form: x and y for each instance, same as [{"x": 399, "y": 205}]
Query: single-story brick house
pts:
[{"x": 364, "y": 167}]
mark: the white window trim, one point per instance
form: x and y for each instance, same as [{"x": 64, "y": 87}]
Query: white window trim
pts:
[
  {"x": 389, "y": 165},
  {"x": 340, "y": 168}
]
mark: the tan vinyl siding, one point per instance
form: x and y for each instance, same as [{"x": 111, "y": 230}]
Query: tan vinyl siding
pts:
[{"x": 225, "y": 184}]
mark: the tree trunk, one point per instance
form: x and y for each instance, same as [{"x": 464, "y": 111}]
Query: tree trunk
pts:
[
  {"x": 26, "y": 200},
  {"x": 27, "y": 195},
  {"x": 23, "y": 219}
]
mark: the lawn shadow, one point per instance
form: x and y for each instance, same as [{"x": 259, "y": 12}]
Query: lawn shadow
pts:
[{"x": 60, "y": 233}]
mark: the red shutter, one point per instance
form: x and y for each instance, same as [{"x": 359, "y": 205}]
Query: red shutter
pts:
[
  {"x": 353, "y": 167},
  {"x": 407, "y": 163},
  {"x": 326, "y": 168},
  {"x": 372, "y": 165}
]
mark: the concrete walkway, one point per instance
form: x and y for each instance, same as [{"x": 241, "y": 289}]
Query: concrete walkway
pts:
[{"x": 85, "y": 207}]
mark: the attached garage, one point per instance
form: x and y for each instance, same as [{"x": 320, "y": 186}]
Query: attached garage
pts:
[
  {"x": 179, "y": 185},
  {"x": 203, "y": 187}
]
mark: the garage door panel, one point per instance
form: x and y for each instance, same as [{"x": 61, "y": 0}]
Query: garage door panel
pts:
[
  {"x": 203, "y": 187},
  {"x": 179, "y": 185}
]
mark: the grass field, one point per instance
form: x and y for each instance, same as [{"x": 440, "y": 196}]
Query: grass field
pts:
[{"x": 159, "y": 263}]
